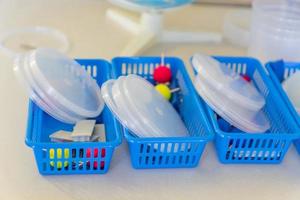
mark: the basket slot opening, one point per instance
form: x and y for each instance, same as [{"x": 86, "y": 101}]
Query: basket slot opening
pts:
[
  {"x": 134, "y": 68},
  {"x": 89, "y": 70},
  {"x": 187, "y": 159},
  {"x": 141, "y": 148},
  {"x": 264, "y": 149},
  {"x": 290, "y": 71},
  {"x": 160, "y": 159},
  {"x": 144, "y": 69}
]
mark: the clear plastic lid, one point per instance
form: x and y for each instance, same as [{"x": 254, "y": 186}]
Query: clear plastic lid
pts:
[
  {"x": 21, "y": 40},
  {"x": 124, "y": 107},
  {"x": 228, "y": 83},
  {"x": 69, "y": 116},
  {"x": 66, "y": 82},
  {"x": 255, "y": 122},
  {"x": 25, "y": 80},
  {"x": 152, "y": 109},
  {"x": 106, "y": 91}
]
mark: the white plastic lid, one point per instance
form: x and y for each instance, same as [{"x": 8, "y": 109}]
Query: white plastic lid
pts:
[
  {"x": 125, "y": 108},
  {"x": 228, "y": 83},
  {"x": 106, "y": 91},
  {"x": 250, "y": 122},
  {"x": 152, "y": 109},
  {"x": 26, "y": 82},
  {"x": 22, "y": 40},
  {"x": 66, "y": 82},
  {"x": 68, "y": 116}
]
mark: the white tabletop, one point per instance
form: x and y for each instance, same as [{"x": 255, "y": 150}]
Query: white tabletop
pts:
[{"x": 92, "y": 37}]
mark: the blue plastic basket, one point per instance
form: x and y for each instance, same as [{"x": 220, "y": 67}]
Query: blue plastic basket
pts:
[
  {"x": 235, "y": 146},
  {"x": 170, "y": 152},
  {"x": 74, "y": 157},
  {"x": 279, "y": 71}
]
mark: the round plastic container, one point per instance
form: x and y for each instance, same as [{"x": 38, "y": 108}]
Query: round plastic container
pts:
[
  {"x": 152, "y": 109},
  {"x": 275, "y": 30},
  {"x": 124, "y": 107},
  {"x": 66, "y": 83},
  {"x": 68, "y": 116},
  {"x": 228, "y": 83},
  {"x": 250, "y": 122},
  {"x": 25, "y": 81},
  {"x": 59, "y": 85},
  {"x": 292, "y": 88},
  {"x": 141, "y": 109},
  {"x": 22, "y": 40},
  {"x": 106, "y": 91},
  {"x": 236, "y": 28}
]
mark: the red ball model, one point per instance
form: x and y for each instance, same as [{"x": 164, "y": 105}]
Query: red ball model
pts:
[{"x": 162, "y": 74}]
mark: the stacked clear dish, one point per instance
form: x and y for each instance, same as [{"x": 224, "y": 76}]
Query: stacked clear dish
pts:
[
  {"x": 229, "y": 95},
  {"x": 141, "y": 109},
  {"x": 59, "y": 85}
]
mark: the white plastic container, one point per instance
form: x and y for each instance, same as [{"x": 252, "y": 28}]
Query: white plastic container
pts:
[{"x": 275, "y": 30}]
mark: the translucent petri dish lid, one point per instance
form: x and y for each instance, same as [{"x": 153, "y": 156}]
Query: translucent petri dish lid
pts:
[
  {"x": 25, "y": 82},
  {"x": 66, "y": 82},
  {"x": 124, "y": 106},
  {"x": 106, "y": 91},
  {"x": 68, "y": 117},
  {"x": 153, "y": 110},
  {"x": 245, "y": 121},
  {"x": 47, "y": 98},
  {"x": 21, "y": 40},
  {"x": 228, "y": 82}
]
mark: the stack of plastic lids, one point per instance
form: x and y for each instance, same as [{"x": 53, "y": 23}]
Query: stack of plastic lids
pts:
[
  {"x": 232, "y": 97},
  {"x": 59, "y": 85},
  {"x": 141, "y": 109}
]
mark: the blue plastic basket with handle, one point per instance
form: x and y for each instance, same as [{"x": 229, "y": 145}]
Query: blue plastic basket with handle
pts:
[
  {"x": 168, "y": 152},
  {"x": 280, "y": 71},
  {"x": 73, "y": 157},
  {"x": 235, "y": 146}
]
